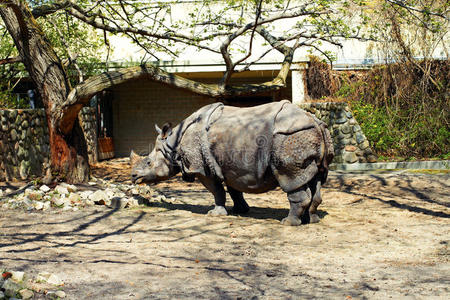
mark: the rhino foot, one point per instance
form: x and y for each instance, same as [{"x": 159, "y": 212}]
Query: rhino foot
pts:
[
  {"x": 218, "y": 211},
  {"x": 241, "y": 208},
  {"x": 314, "y": 218},
  {"x": 291, "y": 221}
]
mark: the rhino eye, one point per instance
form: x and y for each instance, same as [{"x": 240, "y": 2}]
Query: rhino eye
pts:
[{"x": 149, "y": 163}]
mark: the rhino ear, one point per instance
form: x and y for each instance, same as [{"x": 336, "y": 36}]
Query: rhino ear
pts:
[
  {"x": 134, "y": 157},
  {"x": 166, "y": 130},
  {"x": 158, "y": 130}
]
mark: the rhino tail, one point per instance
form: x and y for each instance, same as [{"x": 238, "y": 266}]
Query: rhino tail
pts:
[{"x": 327, "y": 150}]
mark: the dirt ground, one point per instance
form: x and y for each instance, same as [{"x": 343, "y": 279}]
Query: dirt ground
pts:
[{"x": 381, "y": 235}]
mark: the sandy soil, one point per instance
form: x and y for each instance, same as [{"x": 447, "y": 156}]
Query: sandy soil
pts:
[{"x": 382, "y": 235}]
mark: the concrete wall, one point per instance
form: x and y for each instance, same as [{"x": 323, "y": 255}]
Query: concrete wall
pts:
[{"x": 139, "y": 104}]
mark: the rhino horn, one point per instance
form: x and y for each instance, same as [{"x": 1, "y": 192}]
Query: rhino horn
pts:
[{"x": 133, "y": 157}]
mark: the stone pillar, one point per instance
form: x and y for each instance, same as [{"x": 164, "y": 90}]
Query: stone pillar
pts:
[{"x": 298, "y": 84}]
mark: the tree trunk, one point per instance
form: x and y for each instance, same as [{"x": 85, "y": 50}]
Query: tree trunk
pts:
[{"x": 68, "y": 147}]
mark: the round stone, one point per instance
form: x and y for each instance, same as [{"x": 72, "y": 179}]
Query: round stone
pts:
[
  {"x": 350, "y": 148},
  {"x": 350, "y": 157}
]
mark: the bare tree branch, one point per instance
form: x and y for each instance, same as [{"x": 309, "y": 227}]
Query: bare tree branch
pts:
[
  {"x": 443, "y": 15},
  {"x": 10, "y": 60}
]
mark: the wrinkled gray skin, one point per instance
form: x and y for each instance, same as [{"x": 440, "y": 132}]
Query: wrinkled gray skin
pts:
[{"x": 251, "y": 150}]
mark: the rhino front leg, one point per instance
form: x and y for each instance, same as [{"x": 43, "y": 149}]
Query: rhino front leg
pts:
[
  {"x": 299, "y": 201},
  {"x": 216, "y": 188},
  {"x": 240, "y": 205}
]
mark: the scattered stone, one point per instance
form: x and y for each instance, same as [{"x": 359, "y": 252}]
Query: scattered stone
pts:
[
  {"x": 47, "y": 205},
  {"x": 70, "y": 187},
  {"x": 56, "y": 294},
  {"x": 74, "y": 198},
  {"x": 49, "y": 278},
  {"x": 85, "y": 194},
  {"x": 44, "y": 188},
  {"x": 62, "y": 190},
  {"x": 10, "y": 288},
  {"x": 26, "y": 294},
  {"x": 99, "y": 197},
  {"x": 2, "y": 295},
  {"x": 17, "y": 276},
  {"x": 38, "y": 205},
  {"x": 58, "y": 201}
]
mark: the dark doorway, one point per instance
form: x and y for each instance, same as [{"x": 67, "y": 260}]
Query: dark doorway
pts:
[{"x": 248, "y": 101}]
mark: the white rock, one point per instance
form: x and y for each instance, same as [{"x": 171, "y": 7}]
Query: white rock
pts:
[
  {"x": 29, "y": 190},
  {"x": 71, "y": 188},
  {"x": 74, "y": 198},
  {"x": 99, "y": 196},
  {"x": 135, "y": 191},
  {"x": 58, "y": 201},
  {"x": 67, "y": 207},
  {"x": 26, "y": 294},
  {"x": 38, "y": 205},
  {"x": 62, "y": 190},
  {"x": 1, "y": 193},
  {"x": 56, "y": 294},
  {"x": 47, "y": 205},
  {"x": 17, "y": 276},
  {"x": 85, "y": 194},
  {"x": 92, "y": 183},
  {"x": 27, "y": 202},
  {"x": 34, "y": 195},
  {"x": 133, "y": 202},
  {"x": 89, "y": 202},
  {"x": 44, "y": 188},
  {"x": 60, "y": 294},
  {"x": 10, "y": 287},
  {"x": 49, "y": 278},
  {"x": 110, "y": 193},
  {"x": 53, "y": 279},
  {"x": 2, "y": 295}
]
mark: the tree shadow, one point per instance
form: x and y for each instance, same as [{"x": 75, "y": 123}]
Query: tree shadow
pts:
[
  {"x": 31, "y": 238},
  {"x": 344, "y": 182}
]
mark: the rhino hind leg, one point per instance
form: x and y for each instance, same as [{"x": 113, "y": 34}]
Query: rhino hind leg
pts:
[
  {"x": 240, "y": 205},
  {"x": 299, "y": 201},
  {"x": 316, "y": 201},
  {"x": 216, "y": 188},
  {"x": 310, "y": 215}
]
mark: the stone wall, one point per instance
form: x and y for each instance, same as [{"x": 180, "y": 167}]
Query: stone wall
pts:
[
  {"x": 24, "y": 142},
  {"x": 350, "y": 143}
]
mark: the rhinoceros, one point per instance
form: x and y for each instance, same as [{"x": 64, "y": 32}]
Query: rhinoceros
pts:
[{"x": 250, "y": 150}]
